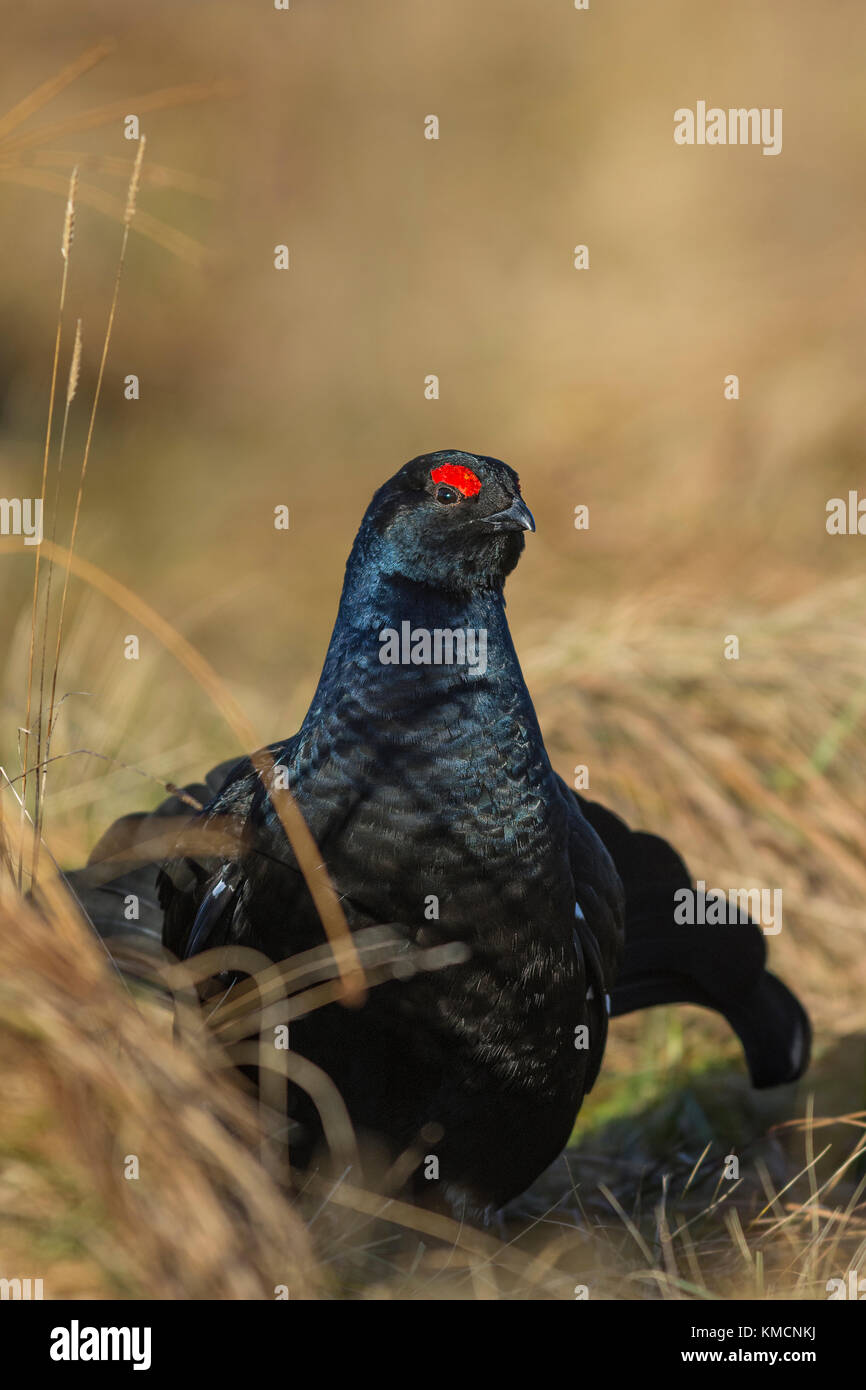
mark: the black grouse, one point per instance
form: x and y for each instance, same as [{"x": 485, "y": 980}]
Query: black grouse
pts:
[{"x": 421, "y": 772}]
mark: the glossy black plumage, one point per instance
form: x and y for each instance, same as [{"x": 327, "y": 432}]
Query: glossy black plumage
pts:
[{"x": 430, "y": 783}]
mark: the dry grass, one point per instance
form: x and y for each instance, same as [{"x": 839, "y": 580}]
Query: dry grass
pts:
[
  {"x": 754, "y": 768},
  {"x": 92, "y": 1077}
]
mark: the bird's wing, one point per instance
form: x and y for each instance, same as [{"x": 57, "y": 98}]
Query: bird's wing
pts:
[
  {"x": 118, "y": 889},
  {"x": 201, "y": 893},
  {"x": 721, "y": 967},
  {"x": 599, "y": 925}
]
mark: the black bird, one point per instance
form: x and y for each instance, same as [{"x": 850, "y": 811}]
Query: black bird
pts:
[{"x": 421, "y": 772}]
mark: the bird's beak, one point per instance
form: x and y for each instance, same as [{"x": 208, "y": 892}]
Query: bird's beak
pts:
[{"x": 518, "y": 517}]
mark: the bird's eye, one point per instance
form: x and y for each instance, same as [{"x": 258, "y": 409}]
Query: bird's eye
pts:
[{"x": 446, "y": 495}]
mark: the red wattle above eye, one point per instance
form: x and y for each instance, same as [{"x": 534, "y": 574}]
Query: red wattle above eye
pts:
[{"x": 456, "y": 476}]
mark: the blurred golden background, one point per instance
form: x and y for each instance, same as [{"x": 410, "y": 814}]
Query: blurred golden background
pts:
[{"x": 602, "y": 387}]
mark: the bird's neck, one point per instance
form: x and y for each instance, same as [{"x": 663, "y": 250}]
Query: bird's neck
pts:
[{"x": 396, "y": 640}]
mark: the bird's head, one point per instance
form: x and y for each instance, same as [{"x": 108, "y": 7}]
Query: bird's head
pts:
[{"x": 450, "y": 519}]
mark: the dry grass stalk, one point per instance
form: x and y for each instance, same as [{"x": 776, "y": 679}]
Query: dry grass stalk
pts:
[
  {"x": 129, "y": 213},
  {"x": 65, "y": 248}
]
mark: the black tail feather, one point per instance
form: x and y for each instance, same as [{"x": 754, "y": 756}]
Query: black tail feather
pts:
[
  {"x": 770, "y": 1022},
  {"x": 721, "y": 967}
]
